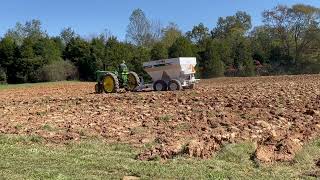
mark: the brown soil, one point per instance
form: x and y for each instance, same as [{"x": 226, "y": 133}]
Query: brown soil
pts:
[{"x": 279, "y": 113}]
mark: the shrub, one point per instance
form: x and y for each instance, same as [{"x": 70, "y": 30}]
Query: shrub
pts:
[{"x": 58, "y": 71}]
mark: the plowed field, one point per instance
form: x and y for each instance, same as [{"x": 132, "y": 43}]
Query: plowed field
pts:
[{"x": 280, "y": 114}]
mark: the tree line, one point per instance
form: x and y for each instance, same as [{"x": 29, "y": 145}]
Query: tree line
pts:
[{"x": 288, "y": 42}]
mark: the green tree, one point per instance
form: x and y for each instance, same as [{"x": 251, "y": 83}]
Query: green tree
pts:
[
  {"x": 261, "y": 43},
  {"x": 242, "y": 55},
  {"x": 98, "y": 51},
  {"x": 78, "y": 52},
  {"x": 210, "y": 61},
  {"x": 239, "y": 23},
  {"x": 139, "y": 56},
  {"x": 182, "y": 47},
  {"x": 159, "y": 51},
  {"x": 116, "y": 52},
  {"x": 8, "y": 51},
  {"x": 198, "y": 33},
  {"x": 170, "y": 34},
  {"x": 48, "y": 50},
  {"x": 67, "y": 34},
  {"x": 297, "y": 27}
]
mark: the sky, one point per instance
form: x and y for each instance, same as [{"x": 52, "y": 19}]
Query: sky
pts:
[{"x": 92, "y": 17}]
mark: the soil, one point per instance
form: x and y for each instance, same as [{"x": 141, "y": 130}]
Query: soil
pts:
[{"x": 280, "y": 114}]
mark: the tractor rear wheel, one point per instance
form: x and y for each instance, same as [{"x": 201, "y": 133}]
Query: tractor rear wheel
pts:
[
  {"x": 110, "y": 83},
  {"x": 174, "y": 85},
  {"x": 160, "y": 85},
  {"x": 133, "y": 81}
]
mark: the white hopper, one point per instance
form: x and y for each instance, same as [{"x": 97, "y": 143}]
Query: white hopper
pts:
[{"x": 182, "y": 69}]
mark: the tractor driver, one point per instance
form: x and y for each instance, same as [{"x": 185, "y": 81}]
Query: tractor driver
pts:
[
  {"x": 123, "y": 73},
  {"x": 123, "y": 68}
]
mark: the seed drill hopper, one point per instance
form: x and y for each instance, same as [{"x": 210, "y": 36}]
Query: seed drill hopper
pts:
[{"x": 172, "y": 74}]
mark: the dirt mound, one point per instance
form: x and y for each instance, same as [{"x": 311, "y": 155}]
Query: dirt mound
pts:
[
  {"x": 195, "y": 148},
  {"x": 280, "y": 113},
  {"x": 277, "y": 150}
]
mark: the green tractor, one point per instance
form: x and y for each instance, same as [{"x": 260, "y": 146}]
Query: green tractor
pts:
[{"x": 111, "y": 82}]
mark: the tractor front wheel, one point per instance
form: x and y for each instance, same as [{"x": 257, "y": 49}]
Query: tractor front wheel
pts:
[{"x": 110, "y": 83}]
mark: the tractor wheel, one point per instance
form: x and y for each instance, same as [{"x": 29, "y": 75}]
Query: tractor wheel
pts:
[
  {"x": 110, "y": 83},
  {"x": 98, "y": 88},
  {"x": 192, "y": 86},
  {"x": 160, "y": 85},
  {"x": 174, "y": 85},
  {"x": 133, "y": 81}
]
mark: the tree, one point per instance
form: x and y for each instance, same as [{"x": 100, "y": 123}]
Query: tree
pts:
[
  {"x": 159, "y": 51},
  {"x": 141, "y": 31},
  {"x": 134, "y": 56},
  {"x": 98, "y": 51},
  {"x": 296, "y": 26},
  {"x": 182, "y": 47},
  {"x": 170, "y": 34},
  {"x": 78, "y": 51},
  {"x": 261, "y": 43},
  {"x": 210, "y": 61},
  {"x": 241, "y": 52},
  {"x": 140, "y": 55},
  {"x": 48, "y": 50},
  {"x": 67, "y": 34},
  {"x": 30, "y": 29},
  {"x": 239, "y": 23},
  {"x": 8, "y": 51},
  {"x": 116, "y": 52},
  {"x": 198, "y": 33}
]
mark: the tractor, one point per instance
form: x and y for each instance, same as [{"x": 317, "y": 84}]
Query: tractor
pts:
[{"x": 111, "y": 82}]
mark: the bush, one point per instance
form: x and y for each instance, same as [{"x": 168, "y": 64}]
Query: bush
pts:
[
  {"x": 3, "y": 76},
  {"x": 58, "y": 71}
]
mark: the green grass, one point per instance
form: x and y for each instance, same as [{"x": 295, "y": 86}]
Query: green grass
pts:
[
  {"x": 28, "y": 158},
  {"x": 25, "y": 85}
]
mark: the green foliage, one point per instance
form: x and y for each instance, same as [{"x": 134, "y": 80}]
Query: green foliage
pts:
[
  {"x": 210, "y": 61},
  {"x": 239, "y": 23},
  {"x": 287, "y": 43},
  {"x": 198, "y": 33},
  {"x": 159, "y": 51},
  {"x": 67, "y": 34},
  {"x": 116, "y": 52},
  {"x": 78, "y": 51},
  {"x": 182, "y": 47},
  {"x": 170, "y": 34},
  {"x": 296, "y": 28}
]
